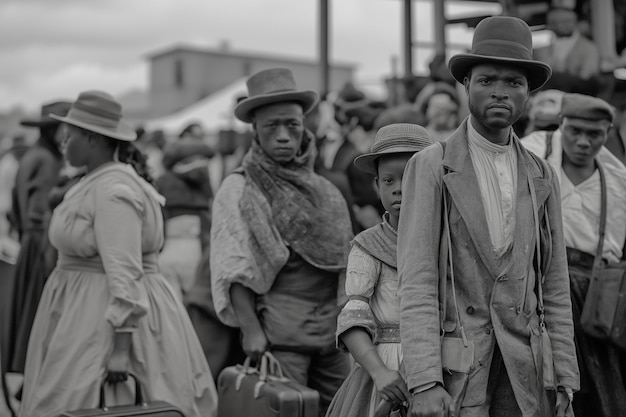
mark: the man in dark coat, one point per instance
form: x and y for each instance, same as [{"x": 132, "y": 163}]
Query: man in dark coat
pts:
[{"x": 488, "y": 181}]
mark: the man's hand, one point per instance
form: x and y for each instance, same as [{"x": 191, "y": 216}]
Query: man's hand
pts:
[
  {"x": 390, "y": 385},
  {"x": 563, "y": 405},
  {"x": 434, "y": 402},
  {"x": 254, "y": 343}
]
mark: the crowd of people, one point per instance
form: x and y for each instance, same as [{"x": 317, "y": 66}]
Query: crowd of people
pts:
[{"x": 427, "y": 259}]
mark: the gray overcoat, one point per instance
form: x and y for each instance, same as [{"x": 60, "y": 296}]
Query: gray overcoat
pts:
[{"x": 496, "y": 297}]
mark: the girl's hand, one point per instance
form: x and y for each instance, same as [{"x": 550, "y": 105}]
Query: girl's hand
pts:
[{"x": 390, "y": 385}]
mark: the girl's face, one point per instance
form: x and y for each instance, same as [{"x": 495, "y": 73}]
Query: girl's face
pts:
[
  {"x": 75, "y": 146},
  {"x": 389, "y": 182}
]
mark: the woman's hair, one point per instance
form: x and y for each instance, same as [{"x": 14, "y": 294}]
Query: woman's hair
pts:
[{"x": 130, "y": 154}]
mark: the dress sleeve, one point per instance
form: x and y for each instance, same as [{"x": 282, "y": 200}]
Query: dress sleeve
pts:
[
  {"x": 118, "y": 230},
  {"x": 362, "y": 276}
]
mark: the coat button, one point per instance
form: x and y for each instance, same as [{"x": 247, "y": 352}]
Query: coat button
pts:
[
  {"x": 470, "y": 310},
  {"x": 488, "y": 330}
]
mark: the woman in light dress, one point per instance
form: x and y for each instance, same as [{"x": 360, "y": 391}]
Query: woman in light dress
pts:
[{"x": 106, "y": 310}]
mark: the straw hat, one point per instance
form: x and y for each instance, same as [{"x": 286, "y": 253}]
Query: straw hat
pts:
[
  {"x": 392, "y": 139},
  {"x": 98, "y": 112},
  {"x": 60, "y": 108},
  {"x": 502, "y": 40},
  {"x": 270, "y": 86}
]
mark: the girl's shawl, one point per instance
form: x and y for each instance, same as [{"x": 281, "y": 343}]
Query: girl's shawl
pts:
[
  {"x": 378, "y": 244},
  {"x": 309, "y": 212}
]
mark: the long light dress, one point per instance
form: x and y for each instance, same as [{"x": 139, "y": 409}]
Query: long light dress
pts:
[
  {"x": 374, "y": 305},
  {"x": 108, "y": 231}
]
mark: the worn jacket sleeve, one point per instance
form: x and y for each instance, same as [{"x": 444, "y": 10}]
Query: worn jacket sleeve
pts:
[
  {"x": 117, "y": 228},
  {"x": 231, "y": 258},
  {"x": 418, "y": 272},
  {"x": 556, "y": 295}
]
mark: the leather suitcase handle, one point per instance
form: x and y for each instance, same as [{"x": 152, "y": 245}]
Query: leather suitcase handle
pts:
[{"x": 138, "y": 393}]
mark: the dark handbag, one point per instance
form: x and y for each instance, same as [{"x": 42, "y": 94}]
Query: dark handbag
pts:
[
  {"x": 457, "y": 353},
  {"x": 604, "y": 310},
  {"x": 140, "y": 408}
]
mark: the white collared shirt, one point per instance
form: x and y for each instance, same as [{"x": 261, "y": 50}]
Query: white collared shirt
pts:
[
  {"x": 581, "y": 203},
  {"x": 496, "y": 171}
]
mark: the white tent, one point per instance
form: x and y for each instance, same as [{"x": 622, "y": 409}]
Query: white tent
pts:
[{"x": 214, "y": 112}]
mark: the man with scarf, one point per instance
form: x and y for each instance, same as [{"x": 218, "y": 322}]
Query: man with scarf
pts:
[{"x": 279, "y": 241}]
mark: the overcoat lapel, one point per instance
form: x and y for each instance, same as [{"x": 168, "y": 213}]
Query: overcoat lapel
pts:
[{"x": 462, "y": 184}]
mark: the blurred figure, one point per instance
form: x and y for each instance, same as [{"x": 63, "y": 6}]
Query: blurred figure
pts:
[
  {"x": 321, "y": 121},
  {"x": 616, "y": 142},
  {"x": 152, "y": 144},
  {"x": 544, "y": 110},
  {"x": 356, "y": 114},
  {"x": 37, "y": 174},
  {"x": 574, "y": 59},
  {"x": 186, "y": 186},
  {"x": 442, "y": 116},
  {"x": 440, "y": 74},
  {"x": 9, "y": 164}
]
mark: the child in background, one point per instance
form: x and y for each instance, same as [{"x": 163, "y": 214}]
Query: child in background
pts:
[{"x": 368, "y": 326}]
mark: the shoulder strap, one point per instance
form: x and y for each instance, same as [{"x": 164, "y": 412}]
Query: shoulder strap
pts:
[
  {"x": 445, "y": 261},
  {"x": 549, "y": 135},
  {"x": 602, "y": 229},
  {"x": 539, "y": 272}
]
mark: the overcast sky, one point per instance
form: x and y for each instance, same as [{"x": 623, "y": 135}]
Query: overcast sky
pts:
[{"x": 55, "y": 48}]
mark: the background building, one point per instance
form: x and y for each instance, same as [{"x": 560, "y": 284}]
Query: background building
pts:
[{"x": 183, "y": 75}]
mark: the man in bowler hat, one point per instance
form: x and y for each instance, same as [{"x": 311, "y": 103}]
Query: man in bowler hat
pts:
[
  {"x": 279, "y": 240},
  {"x": 491, "y": 185}
]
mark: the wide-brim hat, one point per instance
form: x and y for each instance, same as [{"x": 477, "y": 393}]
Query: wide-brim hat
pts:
[
  {"x": 393, "y": 139},
  {"x": 60, "y": 108},
  {"x": 502, "y": 40},
  {"x": 271, "y": 86},
  {"x": 97, "y": 111}
]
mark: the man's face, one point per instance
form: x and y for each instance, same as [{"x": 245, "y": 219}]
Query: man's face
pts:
[
  {"x": 280, "y": 128},
  {"x": 562, "y": 22},
  {"x": 583, "y": 139},
  {"x": 497, "y": 94}
]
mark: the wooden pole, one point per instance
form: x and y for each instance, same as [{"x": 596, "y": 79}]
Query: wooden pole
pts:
[{"x": 323, "y": 59}]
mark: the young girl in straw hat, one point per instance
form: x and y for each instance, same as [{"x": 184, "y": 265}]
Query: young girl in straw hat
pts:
[
  {"x": 106, "y": 311},
  {"x": 368, "y": 326}
]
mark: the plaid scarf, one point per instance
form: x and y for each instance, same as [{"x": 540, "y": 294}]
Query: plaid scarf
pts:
[{"x": 309, "y": 212}]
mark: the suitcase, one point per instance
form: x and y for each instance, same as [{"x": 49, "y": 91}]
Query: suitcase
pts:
[
  {"x": 246, "y": 391},
  {"x": 140, "y": 408}
]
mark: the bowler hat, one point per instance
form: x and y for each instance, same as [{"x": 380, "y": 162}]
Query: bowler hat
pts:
[
  {"x": 502, "y": 40},
  {"x": 98, "y": 112},
  {"x": 392, "y": 139},
  {"x": 271, "y": 86},
  {"x": 60, "y": 108}
]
